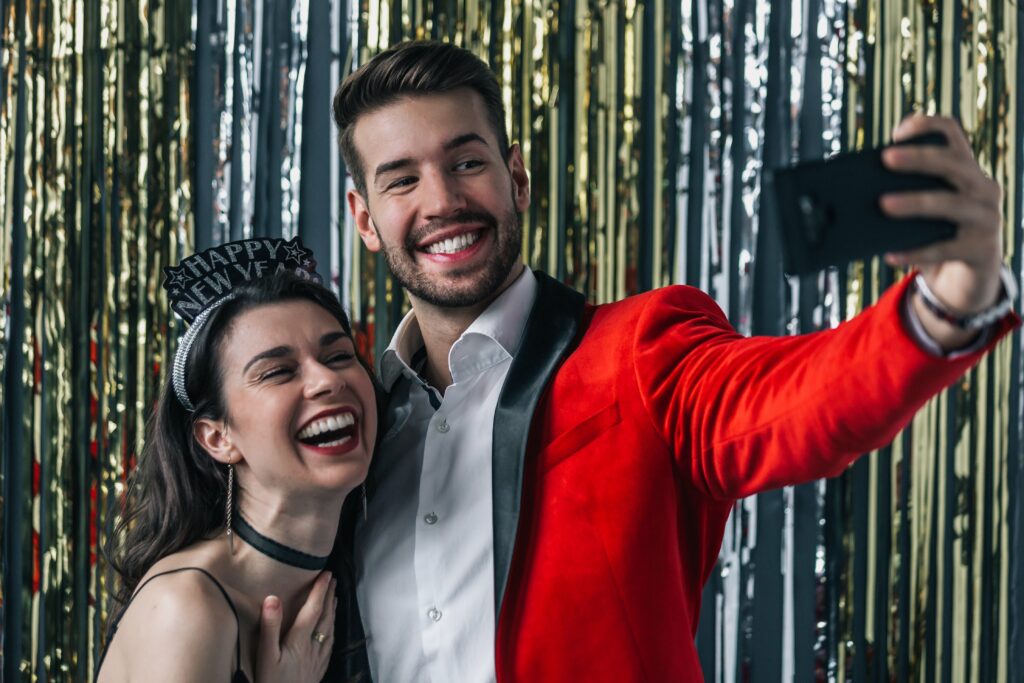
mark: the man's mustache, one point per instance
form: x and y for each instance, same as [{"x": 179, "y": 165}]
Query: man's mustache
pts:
[{"x": 421, "y": 233}]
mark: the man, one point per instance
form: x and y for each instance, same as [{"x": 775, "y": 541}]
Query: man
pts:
[{"x": 550, "y": 492}]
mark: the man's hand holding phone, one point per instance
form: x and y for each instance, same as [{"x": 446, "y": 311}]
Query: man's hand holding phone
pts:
[{"x": 963, "y": 273}]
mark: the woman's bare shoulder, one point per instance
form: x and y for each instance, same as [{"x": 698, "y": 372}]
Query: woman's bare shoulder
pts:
[{"x": 179, "y": 626}]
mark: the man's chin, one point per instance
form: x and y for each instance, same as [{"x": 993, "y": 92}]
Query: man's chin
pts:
[
  {"x": 454, "y": 291},
  {"x": 451, "y": 298}
]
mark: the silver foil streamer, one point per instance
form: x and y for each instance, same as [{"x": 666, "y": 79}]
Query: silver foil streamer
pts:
[
  {"x": 735, "y": 162},
  {"x": 350, "y": 273},
  {"x": 830, "y": 26},
  {"x": 223, "y": 43},
  {"x": 720, "y": 270},
  {"x": 293, "y": 78},
  {"x": 248, "y": 42},
  {"x": 684, "y": 105},
  {"x": 341, "y": 253},
  {"x": 249, "y": 24}
]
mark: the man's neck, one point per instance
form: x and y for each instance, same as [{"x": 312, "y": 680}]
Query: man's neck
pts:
[{"x": 442, "y": 326}]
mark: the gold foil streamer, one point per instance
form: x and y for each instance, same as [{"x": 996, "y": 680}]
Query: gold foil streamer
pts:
[
  {"x": 8, "y": 132},
  {"x": 914, "y": 51},
  {"x": 106, "y": 203}
]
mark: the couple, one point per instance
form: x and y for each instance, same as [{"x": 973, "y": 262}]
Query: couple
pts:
[{"x": 550, "y": 479}]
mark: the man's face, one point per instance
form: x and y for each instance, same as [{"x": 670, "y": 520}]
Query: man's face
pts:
[{"x": 441, "y": 202}]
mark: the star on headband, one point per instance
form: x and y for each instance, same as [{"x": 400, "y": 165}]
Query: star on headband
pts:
[{"x": 206, "y": 277}]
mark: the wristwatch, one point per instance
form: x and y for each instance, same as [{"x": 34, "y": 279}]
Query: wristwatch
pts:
[{"x": 971, "y": 321}]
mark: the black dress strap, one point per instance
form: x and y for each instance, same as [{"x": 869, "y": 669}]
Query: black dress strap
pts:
[{"x": 238, "y": 675}]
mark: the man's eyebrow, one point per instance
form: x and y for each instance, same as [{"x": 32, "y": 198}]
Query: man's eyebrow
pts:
[
  {"x": 276, "y": 352},
  {"x": 388, "y": 166},
  {"x": 463, "y": 140}
]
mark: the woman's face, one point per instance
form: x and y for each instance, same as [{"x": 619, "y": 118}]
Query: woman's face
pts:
[{"x": 301, "y": 409}]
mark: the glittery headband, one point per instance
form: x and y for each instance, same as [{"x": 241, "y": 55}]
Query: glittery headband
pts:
[{"x": 204, "y": 281}]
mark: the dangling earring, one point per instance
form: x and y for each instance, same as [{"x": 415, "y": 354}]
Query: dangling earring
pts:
[
  {"x": 363, "y": 486},
  {"x": 229, "y": 506}
]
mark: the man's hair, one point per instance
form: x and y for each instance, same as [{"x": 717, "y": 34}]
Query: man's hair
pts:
[{"x": 421, "y": 67}]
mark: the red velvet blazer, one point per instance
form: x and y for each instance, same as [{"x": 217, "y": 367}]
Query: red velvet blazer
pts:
[
  {"x": 622, "y": 437},
  {"x": 649, "y": 418}
]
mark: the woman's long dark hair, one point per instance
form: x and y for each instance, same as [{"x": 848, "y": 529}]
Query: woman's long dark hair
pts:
[{"x": 177, "y": 493}]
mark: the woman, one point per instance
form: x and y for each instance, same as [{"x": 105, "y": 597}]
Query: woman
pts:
[{"x": 267, "y": 423}]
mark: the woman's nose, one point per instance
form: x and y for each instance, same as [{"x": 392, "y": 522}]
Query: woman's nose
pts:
[{"x": 322, "y": 380}]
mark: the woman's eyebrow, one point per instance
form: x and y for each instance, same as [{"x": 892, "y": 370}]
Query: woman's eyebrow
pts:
[
  {"x": 276, "y": 352},
  {"x": 280, "y": 351},
  {"x": 332, "y": 337}
]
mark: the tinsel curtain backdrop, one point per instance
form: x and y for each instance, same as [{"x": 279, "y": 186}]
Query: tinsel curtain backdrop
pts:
[{"x": 133, "y": 133}]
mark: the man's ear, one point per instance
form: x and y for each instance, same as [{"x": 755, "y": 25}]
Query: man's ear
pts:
[
  {"x": 364, "y": 223},
  {"x": 520, "y": 179},
  {"x": 213, "y": 436}
]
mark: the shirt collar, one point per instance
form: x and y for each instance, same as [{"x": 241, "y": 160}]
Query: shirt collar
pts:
[{"x": 503, "y": 322}]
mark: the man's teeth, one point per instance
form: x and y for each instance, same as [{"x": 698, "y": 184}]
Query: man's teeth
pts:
[
  {"x": 331, "y": 423},
  {"x": 453, "y": 244}
]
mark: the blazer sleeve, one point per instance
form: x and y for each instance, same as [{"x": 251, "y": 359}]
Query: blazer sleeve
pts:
[{"x": 743, "y": 415}]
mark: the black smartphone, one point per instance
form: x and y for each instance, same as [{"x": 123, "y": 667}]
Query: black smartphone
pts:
[{"x": 829, "y": 214}]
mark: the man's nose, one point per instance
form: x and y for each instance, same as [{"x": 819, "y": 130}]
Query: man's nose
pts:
[{"x": 445, "y": 194}]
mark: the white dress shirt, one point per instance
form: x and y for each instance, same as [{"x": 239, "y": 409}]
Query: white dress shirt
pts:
[{"x": 425, "y": 554}]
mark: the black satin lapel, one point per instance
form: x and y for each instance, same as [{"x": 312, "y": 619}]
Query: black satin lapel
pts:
[
  {"x": 549, "y": 332},
  {"x": 349, "y": 660}
]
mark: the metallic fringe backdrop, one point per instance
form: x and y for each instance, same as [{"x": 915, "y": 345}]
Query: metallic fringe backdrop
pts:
[{"x": 134, "y": 132}]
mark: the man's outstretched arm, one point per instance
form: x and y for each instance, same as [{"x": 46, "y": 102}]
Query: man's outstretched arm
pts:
[{"x": 745, "y": 415}]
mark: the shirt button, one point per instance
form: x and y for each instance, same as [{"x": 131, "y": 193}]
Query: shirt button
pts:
[
  {"x": 442, "y": 426},
  {"x": 430, "y": 518},
  {"x": 434, "y": 614}
]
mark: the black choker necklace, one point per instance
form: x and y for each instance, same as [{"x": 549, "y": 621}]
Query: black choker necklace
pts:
[{"x": 275, "y": 550}]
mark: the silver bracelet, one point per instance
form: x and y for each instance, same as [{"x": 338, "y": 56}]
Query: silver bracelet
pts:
[{"x": 971, "y": 321}]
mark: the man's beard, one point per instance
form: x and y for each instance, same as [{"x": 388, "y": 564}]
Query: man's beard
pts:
[{"x": 440, "y": 290}]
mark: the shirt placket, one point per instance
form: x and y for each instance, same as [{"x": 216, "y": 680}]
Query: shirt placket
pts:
[{"x": 428, "y": 552}]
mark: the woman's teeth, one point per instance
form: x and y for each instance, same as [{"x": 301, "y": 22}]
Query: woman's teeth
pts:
[
  {"x": 332, "y": 423},
  {"x": 330, "y": 444},
  {"x": 453, "y": 245}
]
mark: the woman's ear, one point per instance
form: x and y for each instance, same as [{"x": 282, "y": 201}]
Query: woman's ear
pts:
[{"x": 213, "y": 436}]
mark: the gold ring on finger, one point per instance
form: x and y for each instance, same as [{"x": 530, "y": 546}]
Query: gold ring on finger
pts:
[{"x": 319, "y": 637}]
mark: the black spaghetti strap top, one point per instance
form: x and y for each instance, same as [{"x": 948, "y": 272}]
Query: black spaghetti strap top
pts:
[{"x": 238, "y": 676}]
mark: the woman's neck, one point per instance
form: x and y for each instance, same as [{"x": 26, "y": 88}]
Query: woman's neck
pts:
[{"x": 310, "y": 529}]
